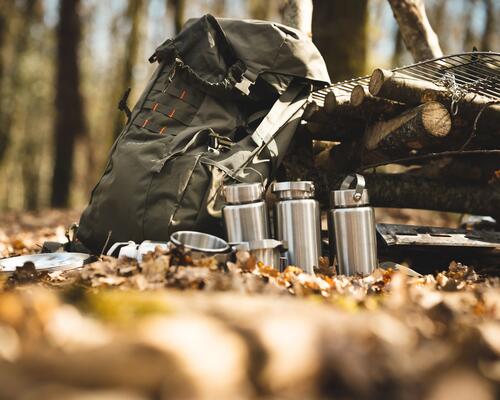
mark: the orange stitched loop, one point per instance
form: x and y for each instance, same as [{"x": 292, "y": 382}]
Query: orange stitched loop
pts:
[
  {"x": 145, "y": 123},
  {"x": 155, "y": 106},
  {"x": 171, "y": 113},
  {"x": 183, "y": 94},
  {"x": 162, "y": 129}
]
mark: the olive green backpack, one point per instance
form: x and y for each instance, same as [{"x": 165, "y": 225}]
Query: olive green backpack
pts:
[{"x": 222, "y": 106}]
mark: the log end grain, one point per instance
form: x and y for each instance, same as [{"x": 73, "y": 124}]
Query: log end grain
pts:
[
  {"x": 330, "y": 102},
  {"x": 436, "y": 119},
  {"x": 358, "y": 95},
  {"x": 379, "y": 76}
]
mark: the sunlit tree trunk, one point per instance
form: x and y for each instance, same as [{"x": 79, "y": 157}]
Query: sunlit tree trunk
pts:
[
  {"x": 418, "y": 35},
  {"x": 69, "y": 108},
  {"x": 134, "y": 16},
  {"x": 339, "y": 31}
]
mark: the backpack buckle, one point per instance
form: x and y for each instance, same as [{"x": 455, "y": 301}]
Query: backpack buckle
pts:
[
  {"x": 244, "y": 85},
  {"x": 217, "y": 143}
]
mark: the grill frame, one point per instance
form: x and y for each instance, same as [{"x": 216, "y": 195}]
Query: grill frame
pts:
[{"x": 474, "y": 72}]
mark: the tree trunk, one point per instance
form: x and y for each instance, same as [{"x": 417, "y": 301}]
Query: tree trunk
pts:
[
  {"x": 4, "y": 19},
  {"x": 339, "y": 30},
  {"x": 178, "y": 8},
  {"x": 134, "y": 14},
  {"x": 258, "y": 9},
  {"x": 417, "y": 33},
  {"x": 219, "y": 8},
  {"x": 298, "y": 14},
  {"x": 470, "y": 38},
  {"x": 30, "y": 163},
  {"x": 11, "y": 74},
  {"x": 69, "y": 108},
  {"x": 488, "y": 37}
]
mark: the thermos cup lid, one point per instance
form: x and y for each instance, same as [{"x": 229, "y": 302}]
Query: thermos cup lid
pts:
[
  {"x": 243, "y": 193},
  {"x": 346, "y": 197},
  {"x": 294, "y": 190}
]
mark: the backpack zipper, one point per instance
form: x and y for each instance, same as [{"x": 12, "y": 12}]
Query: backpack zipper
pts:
[{"x": 171, "y": 74}]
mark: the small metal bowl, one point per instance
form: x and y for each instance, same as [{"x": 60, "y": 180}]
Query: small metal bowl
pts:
[
  {"x": 267, "y": 251},
  {"x": 198, "y": 241}
]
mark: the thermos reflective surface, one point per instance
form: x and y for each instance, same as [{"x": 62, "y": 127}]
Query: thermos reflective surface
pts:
[
  {"x": 297, "y": 220},
  {"x": 245, "y": 213},
  {"x": 353, "y": 223}
]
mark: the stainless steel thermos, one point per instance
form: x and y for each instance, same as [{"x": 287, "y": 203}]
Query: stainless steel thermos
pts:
[
  {"x": 245, "y": 213},
  {"x": 353, "y": 222},
  {"x": 297, "y": 221}
]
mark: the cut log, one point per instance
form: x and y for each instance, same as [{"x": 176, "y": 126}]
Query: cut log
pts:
[
  {"x": 335, "y": 129},
  {"x": 418, "y": 35},
  {"x": 310, "y": 109},
  {"x": 371, "y": 105},
  {"x": 468, "y": 108},
  {"x": 408, "y": 191},
  {"x": 416, "y": 129},
  {"x": 330, "y": 102},
  {"x": 397, "y": 87}
]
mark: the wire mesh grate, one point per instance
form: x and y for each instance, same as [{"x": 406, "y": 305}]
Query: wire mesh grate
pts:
[{"x": 474, "y": 72}]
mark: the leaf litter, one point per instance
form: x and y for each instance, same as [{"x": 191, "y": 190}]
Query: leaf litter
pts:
[{"x": 176, "y": 326}]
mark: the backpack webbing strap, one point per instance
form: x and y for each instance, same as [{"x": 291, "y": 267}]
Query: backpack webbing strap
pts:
[
  {"x": 280, "y": 113},
  {"x": 122, "y": 104}
]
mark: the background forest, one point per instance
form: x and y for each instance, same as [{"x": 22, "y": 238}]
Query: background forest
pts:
[{"x": 65, "y": 64}]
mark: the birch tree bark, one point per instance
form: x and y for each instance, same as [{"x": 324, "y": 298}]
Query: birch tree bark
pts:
[
  {"x": 298, "y": 14},
  {"x": 418, "y": 35}
]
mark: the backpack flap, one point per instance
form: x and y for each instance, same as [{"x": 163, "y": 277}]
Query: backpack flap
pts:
[{"x": 219, "y": 71}]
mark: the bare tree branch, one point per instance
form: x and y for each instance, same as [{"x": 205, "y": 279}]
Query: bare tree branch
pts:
[{"x": 418, "y": 35}]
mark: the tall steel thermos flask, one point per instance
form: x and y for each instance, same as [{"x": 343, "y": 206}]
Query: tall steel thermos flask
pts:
[
  {"x": 297, "y": 221},
  {"x": 245, "y": 213},
  {"x": 353, "y": 221}
]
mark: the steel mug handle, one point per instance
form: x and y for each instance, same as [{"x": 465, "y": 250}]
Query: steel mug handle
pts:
[{"x": 360, "y": 185}]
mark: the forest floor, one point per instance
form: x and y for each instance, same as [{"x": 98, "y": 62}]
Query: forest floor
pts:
[{"x": 174, "y": 327}]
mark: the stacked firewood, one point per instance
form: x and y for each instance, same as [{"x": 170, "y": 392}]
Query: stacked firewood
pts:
[
  {"x": 396, "y": 116},
  {"x": 392, "y": 118}
]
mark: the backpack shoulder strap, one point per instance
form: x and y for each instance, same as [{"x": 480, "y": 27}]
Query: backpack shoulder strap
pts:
[{"x": 287, "y": 105}]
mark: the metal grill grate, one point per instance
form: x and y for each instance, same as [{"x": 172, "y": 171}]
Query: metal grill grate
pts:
[{"x": 474, "y": 72}]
